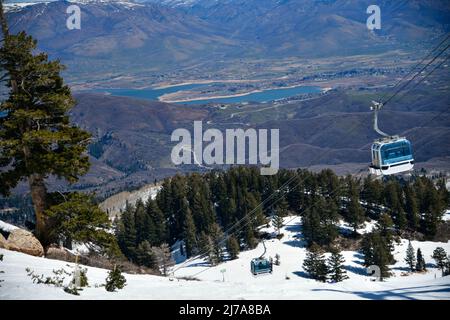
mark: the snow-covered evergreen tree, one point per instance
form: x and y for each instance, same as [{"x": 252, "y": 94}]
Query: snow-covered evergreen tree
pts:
[
  {"x": 337, "y": 272},
  {"x": 440, "y": 256},
  {"x": 115, "y": 280},
  {"x": 410, "y": 257},
  {"x": 420, "y": 265},
  {"x": 315, "y": 263}
]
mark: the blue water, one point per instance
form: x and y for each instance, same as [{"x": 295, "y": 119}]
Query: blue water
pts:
[
  {"x": 263, "y": 96},
  {"x": 266, "y": 95},
  {"x": 149, "y": 94}
]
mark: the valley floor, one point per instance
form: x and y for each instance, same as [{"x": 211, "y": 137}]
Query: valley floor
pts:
[{"x": 288, "y": 280}]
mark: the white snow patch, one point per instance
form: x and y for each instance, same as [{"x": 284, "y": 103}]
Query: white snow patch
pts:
[
  {"x": 367, "y": 227},
  {"x": 7, "y": 227},
  {"x": 446, "y": 216}
]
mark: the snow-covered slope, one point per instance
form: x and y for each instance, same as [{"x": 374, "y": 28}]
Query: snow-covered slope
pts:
[
  {"x": 183, "y": 3},
  {"x": 287, "y": 282},
  {"x": 299, "y": 286},
  {"x": 6, "y": 226},
  {"x": 115, "y": 204},
  {"x": 16, "y": 5}
]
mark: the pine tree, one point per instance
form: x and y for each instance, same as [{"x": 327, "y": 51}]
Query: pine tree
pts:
[
  {"x": 434, "y": 209},
  {"x": 78, "y": 218},
  {"x": 216, "y": 236},
  {"x": 143, "y": 224},
  {"x": 385, "y": 227},
  {"x": 355, "y": 212},
  {"x": 393, "y": 200},
  {"x": 440, "y": 256},
  {"x": 283, "y": 208},
  {"x": 115, "y": 280},
  {"x": 376, "y": 251},
  {"x": 444, "y": 193},
  {"x": 319, "y": 222},
  {"x": 372, "y": 192},
  {"x": 126, "y": 233},
  {"x": 190, "y": 238},
  {"x": 164, "y": 258},
  {"x": 209, "y": 249},
  {"x": 278, "y": 223},
  {"x": 199, "y": 200},
  {"x": 447, "y": 267},
  {"x": 412, "y": 208},
  {"x": 315, "y": 264},
  {"x": 158, "y": 226},
  {"x": 296, "y": 197},
  {"x": 37, "y": 138},
  {"x": 233, "y": 247},
  {"x": 420, "y": 265},
  {"x": 336, "y": 267},
  {"x": 145, "y": 255},
  {"x": 410, "y": 257},
  {"x": 249, "y": 237}
]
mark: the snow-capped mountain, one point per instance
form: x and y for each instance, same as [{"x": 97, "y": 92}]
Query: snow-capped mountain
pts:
[
  {"x": 185, "y": 3},
  {"x": 18, "y": 5},
  {"x": 164, "y": 33}
]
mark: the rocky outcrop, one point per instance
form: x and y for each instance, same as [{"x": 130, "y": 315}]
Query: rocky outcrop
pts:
[
  {"x": 24, "y": 241},
  {"x": 3, "y": 242}
]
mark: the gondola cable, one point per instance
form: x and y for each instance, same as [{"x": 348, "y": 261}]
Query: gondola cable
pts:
[
  {"x": 393, "y": 154},
  {"x": 228, "y": 232},
  {"x": 334, "y": 192},
  {"x": 417, "y": 65},
  {"x": 331, "y": 194},
  {"x": 415, "y": 76},
  {"x": 425, "y": 77}
]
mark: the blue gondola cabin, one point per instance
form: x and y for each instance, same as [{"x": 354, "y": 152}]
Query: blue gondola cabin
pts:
[
  {"x": 391, "y": 155},
  {"x": 261, "y": 266}
]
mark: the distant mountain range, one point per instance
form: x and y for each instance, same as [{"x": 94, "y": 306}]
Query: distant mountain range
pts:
[
  {"x": 119, "y": 36},
  {"x": 162, "y": 34},
  {"x": 132, "y": 137}
]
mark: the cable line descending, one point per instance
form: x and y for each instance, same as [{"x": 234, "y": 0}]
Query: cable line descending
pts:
[
  {"x": 393, "y": 154},
  {"x": 261, "y": 265},
  {"x": 283, "y": 190}
]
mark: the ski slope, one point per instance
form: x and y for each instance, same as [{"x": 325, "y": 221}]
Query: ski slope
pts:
[{"x": 287, "y": 282}]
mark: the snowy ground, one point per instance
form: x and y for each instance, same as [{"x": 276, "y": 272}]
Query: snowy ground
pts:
[
  {"x": 446, "y": 215},
  {"x": 287, "y": 282}
]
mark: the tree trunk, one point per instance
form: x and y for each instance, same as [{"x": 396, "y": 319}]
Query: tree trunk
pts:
[{"x": 39, "y": 195}]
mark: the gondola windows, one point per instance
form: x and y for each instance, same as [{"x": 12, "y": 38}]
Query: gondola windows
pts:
[{"x": 397, "y": 151}]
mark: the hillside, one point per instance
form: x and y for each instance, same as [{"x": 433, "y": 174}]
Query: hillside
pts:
[
  {"x": 120, "y": 38},
  {"x": 239, "y": 283},
  {"x": 115, "y": 204},
  {"x": 132, "y": 137}
]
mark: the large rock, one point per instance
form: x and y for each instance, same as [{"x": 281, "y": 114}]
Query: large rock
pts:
[
  {"x": 3, "y": 242},
  {"x": 25, "y": 242}
]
